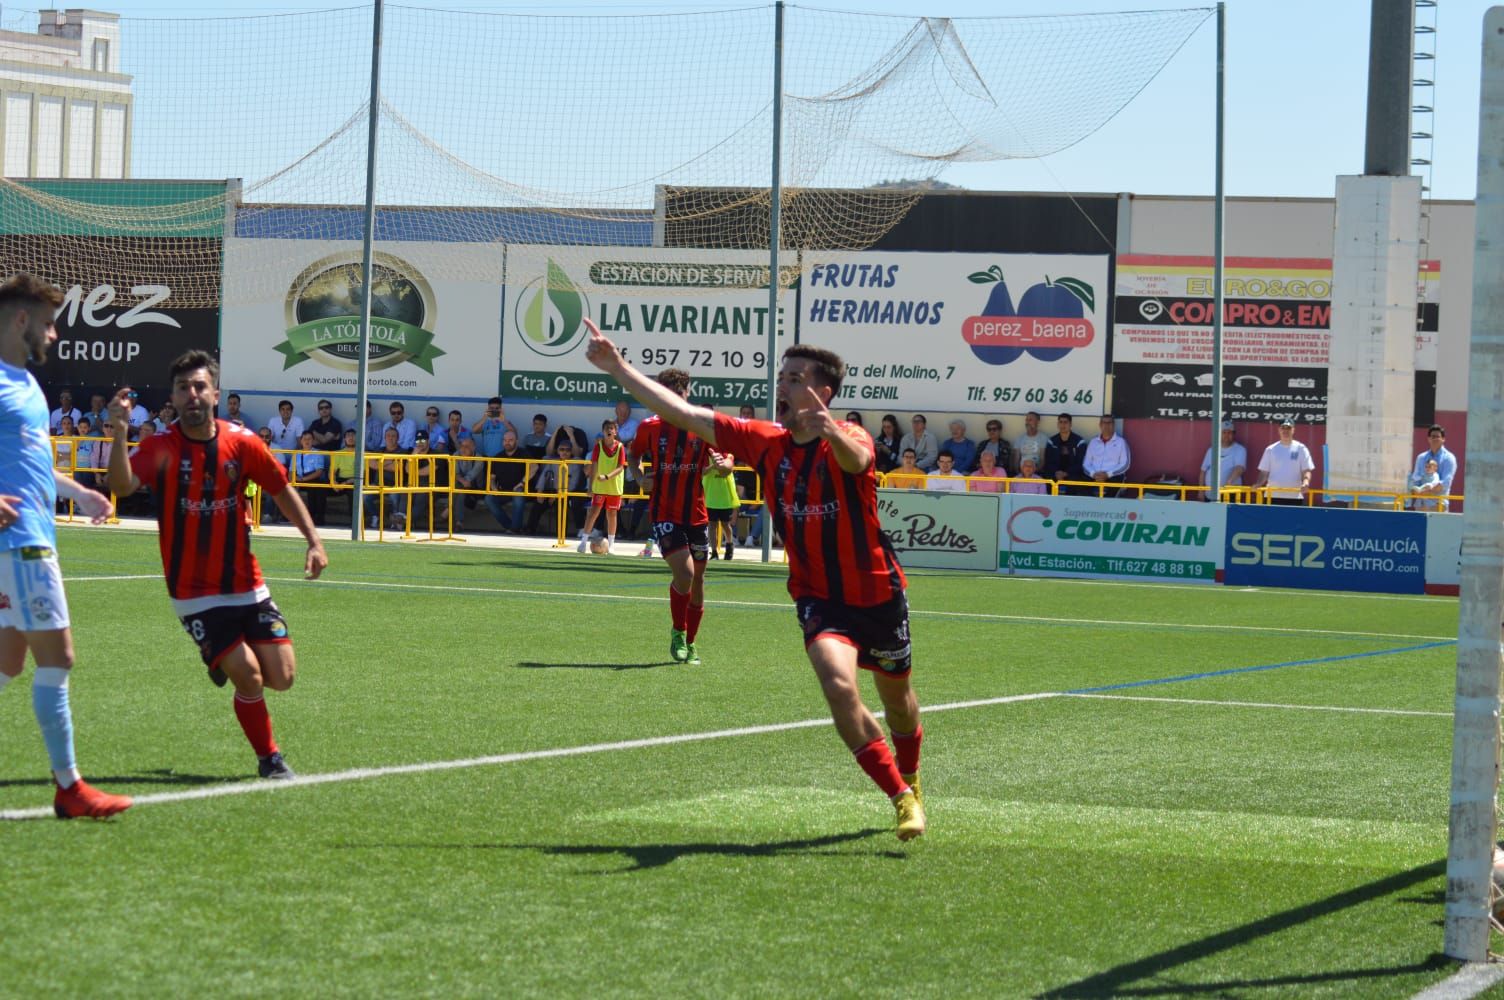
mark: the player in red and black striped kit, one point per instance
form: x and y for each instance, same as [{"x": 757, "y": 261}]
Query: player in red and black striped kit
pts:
[
  {"x": 681, "y": 525},
  {"x": 197, "y": 470},
  {"x": 846, "y": 582}
]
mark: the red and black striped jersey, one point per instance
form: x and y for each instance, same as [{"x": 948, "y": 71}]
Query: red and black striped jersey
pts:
[
  {"x": 203, "y": 530},
  {"x": 827, "y": 516},
  {"x": 679, "y": 459}
]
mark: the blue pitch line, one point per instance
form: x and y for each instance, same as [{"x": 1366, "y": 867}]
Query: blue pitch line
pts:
[{"x": 1262, "y": 667}]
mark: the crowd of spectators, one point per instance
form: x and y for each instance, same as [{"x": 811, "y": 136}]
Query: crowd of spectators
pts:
[{"x": 520, "y": 493}]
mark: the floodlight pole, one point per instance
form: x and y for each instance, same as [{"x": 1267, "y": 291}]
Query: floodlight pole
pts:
[
  {"x": 368, "y": 237},
  {"x": 1219, "y": 210},
  {"x": 775, "y": 204},
  {"x": 1473, "y": 818}
]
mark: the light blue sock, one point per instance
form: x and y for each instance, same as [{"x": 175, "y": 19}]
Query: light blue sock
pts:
[{"x": 49, "y": 700}]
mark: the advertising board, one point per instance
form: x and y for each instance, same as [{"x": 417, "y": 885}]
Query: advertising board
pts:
[
  {"x": 1114, "y": 539},
  {"x": 1326, "y": 549},
  {"x": 941, "y": 530}
]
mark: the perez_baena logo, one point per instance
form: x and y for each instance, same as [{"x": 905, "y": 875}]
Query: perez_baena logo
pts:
[
  {"x": 1050, "y": 321},
  {"x": 550, "y": 313},
  {"x": 324, "y": 306}
]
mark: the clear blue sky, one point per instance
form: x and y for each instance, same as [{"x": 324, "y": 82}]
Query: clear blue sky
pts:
[{"x": 1296, "y": 80}]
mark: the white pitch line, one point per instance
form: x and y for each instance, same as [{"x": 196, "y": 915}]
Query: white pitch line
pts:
[
  {"x": 984, "y": 616},
  {"x": 363, "y": 773},
  {"x": 1473, "y": 979},
  {"x": 1260, "y": 704}
]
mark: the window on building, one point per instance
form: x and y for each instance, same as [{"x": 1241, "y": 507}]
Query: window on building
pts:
[{"x": 101, "y": 55}]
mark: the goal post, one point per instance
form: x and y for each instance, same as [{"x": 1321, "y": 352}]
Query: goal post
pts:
[{"x": 1473, "y": 819}]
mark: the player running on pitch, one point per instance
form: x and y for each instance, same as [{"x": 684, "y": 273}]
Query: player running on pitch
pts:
[
  {"x": 846, "y": 583},
  {"x": 676, "y": 507},
  {"x": 33, "y": 607},
  {"x": 198, "y": 469}
]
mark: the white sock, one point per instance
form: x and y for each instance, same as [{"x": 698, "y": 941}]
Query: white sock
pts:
[{"x": 610, "y": 539}]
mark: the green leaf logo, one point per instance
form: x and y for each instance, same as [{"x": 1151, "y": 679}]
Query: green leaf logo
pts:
[{"x": 551, "y": 312}]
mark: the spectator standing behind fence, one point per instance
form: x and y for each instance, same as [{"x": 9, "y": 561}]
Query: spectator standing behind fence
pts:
[
  {"x": 886, "y": 445},
  {"x": 962, "y": 449},
  {"x": 988, "y": 478},
  {"x": 1286, "y": 468},
  {"x": 1064, "y": 453},
  {"x": 1234, "y": 460},
  {"x": 945, "y": 477},
  {"x": 1029, "y": 480},
  {"x": 492, "y": 428},
  {"x": 908, "y": 476},
  {"x": 1029, "y": 444},
  {"x": 1446, "y": 466},
  {"x": 926, "y": 446},
  {"x": 1107, "y": 455}
]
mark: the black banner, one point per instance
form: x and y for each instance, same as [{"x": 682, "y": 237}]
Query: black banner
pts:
[
  {"x": 1259, "y": 393},
  {"x": 131, "y": 305}
]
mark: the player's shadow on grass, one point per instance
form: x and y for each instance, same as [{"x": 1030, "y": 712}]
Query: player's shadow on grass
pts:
[
  {"x": 157, "y": 776},
  {"x": 1154, "y": 974},
  {"x": 537, "y": 665},
  {"x": 646, "y": 856}
]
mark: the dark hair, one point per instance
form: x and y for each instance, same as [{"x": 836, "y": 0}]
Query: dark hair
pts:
[
  {"x": 1066, "y": 417},
  {"x": 325, "y": 402},
  {"x": 607, "y": 424},
  {"x": 24, "y": 290},
  {"x": 456, "y": 413},
  {"x": 945, "y": 453},
  {"x": 494, "y": 401},
  {"x": 538, "y": 416},
  {"x": 855, "y": 418},
  {"x": 921, "y": 418},
  {"x": 675, "y": 380},
  {"x": 911, "y": 451},
  {"x": 236, "y": 396},
  {"x": 192, "y": 361},
  {"x": 829, "y": 368},
  {"x": 1033, "y": 413},
  {"x": 284, "y": 402},
  {"x": 888, "y": 418},
  {"x": 1436, "y": 427}
]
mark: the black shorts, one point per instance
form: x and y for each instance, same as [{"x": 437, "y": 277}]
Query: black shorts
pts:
[
  {"x": 672, "y": 536},
  {"x": 880, "y": 634},
  {"x": 720, "y": 515},
  {"x": 219, "y": 630}
]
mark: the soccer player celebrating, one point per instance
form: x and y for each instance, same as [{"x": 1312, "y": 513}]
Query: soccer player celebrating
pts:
[
  {"x": 676, "y": 507},
  {"x": 198, "y": 470},
  {"x": 33, "y": 607},
  {"x": 846, "y": 583}
]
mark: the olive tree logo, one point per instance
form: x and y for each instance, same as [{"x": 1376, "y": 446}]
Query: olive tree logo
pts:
[
  {"x": 323, "y": 315},
  {"x": 549, "y": 313}
]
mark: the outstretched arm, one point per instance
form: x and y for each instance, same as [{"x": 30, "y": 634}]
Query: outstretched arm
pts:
[
  {"x": 698, "y": 420},
  {"x": 95, "y": 505}
]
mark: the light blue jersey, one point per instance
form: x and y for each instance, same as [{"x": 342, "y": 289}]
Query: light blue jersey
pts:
[{"x": 26, "y": 460}]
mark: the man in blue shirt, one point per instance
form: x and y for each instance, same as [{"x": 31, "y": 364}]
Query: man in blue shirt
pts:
[
  {"x": 490, "y": 430},
  {"x": 311, "y": 474},
  {"x": 33, "y": 607},
  {"x": 1446, "y": 462},
  {"x": 406, "y": 427}
]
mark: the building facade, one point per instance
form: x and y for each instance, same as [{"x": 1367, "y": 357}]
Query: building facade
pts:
[{"x": 65, "y": 107}]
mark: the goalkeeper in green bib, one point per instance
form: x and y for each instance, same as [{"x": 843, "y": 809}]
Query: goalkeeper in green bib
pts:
[{"x": 608, "y": 473}]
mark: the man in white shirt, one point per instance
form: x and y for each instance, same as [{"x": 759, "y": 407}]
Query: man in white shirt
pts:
[
  {"x": 286, "y": 431},
  {"x": 65, "y": 408},
  {"x": 1107, "y": 455},
  {"x": 1030, "y": 444},
  {"x": 1286, "y": 467},
  {"x": 1234, "y": 459},
  {"x": 945, "y": 476}
]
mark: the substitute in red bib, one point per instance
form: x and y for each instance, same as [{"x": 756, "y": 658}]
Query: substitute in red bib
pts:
[
  {"x": 198, "y": 470},
  {"x": 681, "y": 524},
  {"x": 846, "y": 583}
]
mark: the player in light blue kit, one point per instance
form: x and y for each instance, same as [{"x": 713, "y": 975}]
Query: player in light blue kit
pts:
[{"x": 33, "y": 608}]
